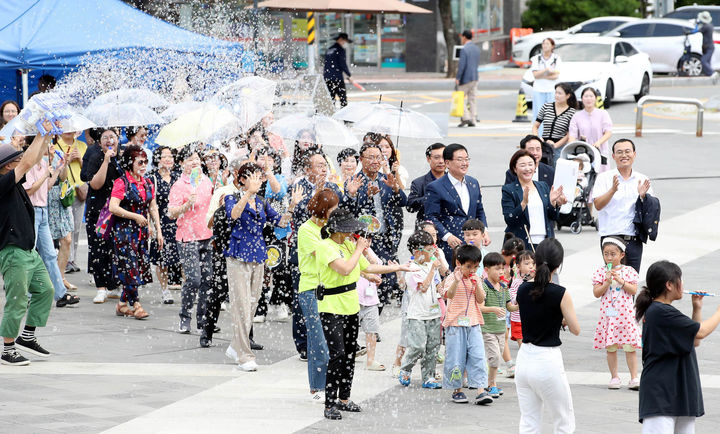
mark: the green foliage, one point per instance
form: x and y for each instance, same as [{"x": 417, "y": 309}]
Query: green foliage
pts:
[{"x": 561, "y": 14}]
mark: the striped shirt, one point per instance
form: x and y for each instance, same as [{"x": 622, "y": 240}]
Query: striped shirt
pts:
[
  {"x": 463, "y": 304},
  {"x": 554, "y": 125}
]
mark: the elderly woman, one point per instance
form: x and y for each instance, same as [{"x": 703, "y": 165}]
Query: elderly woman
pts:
[
  {"x": 529, "y": 207},
  {"x": 247, "y": 214},
  {"x": 391, "y": 162},
  {"x": 132, "y": 201},
  {"x": 348, "y": 160},
  {"x": 592, "y": 125},
  {"x": 100, "y": 169},
  {"x": 74, "y": 151},
  {"x": 8, "y": 110}
]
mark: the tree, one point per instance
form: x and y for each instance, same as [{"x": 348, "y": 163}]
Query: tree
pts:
[
  {"x": 450, "y": 34},
  {"x": 561, "y": 14}
]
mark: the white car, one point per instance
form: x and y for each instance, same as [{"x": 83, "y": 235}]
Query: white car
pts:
[
  {"x": 663, "y": 39},
  {"x": 610, "y": 65},
  {"x": 527, "y": 46}
]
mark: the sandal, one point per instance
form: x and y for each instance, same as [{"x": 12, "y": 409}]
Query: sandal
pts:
[
  {"x": 140, "y": 312},
  {"x": 69, "y": 286},
  {"x": 375, "y": 366},
  {"x": 122, "y": 309}
]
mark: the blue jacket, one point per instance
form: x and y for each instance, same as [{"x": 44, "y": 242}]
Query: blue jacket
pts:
[
  {"x": 335, "y": 63},
  {"x": 546, "y": 173},
  {"x": 416, "y": 198},
  {"x": 246, "y": 238},
  {"x": 444, "y": 209},
  {"x": 647, "y": 218},
  {"x": 518, "y": 219},
  {"x": 469, "y": 61}
]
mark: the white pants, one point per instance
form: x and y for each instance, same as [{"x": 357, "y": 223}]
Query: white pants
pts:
[
  {"x": 540, "y": 380},
  {"x": 668, "y": 425}
]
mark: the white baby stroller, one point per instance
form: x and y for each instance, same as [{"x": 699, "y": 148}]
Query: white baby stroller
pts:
[{"x": 578, "y": 215}]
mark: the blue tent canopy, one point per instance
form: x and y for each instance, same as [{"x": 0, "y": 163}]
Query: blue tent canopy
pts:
[{"x": 54, "y": 36}]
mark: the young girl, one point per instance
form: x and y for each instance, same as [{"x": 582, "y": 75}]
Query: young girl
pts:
[
  {"x": 670, "y": 393},
  {"x": 512, "y": 246},
  {"x": 615, "y": 284},
  {"x": 525, "y": 272}
]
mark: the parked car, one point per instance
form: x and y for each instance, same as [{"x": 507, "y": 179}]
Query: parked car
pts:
[
  {"x": 691, "y": 13},
  {"x": 663, "y": 39},
  {"x": 527, "y": 46},
  {"x": 612, "y": 66}
]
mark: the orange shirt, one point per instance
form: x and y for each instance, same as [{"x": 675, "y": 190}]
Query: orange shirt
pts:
[{"x": 463, "y": 304}]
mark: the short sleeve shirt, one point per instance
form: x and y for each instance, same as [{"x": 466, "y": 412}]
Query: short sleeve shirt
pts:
[
  {"x": 422, "y": 305},
  {"x": 38, "y": 171},
  {"x": 463, "y": 304},
  {"x": 347, "y": 303},
  {"x": 539, "y": 63},
  {"x": 308, "y": 241},
  {"x": 616, "y": 218},
  {"x": 118, "y": 190},
  {"x": 17, "y": 217},
  {"x": 494, "y": 298},
  {"x": 191, "y": 226},
  {"x": 670, "y": 381}
]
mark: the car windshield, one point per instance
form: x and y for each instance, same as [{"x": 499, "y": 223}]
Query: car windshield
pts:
[{"x": 584, "y": 52}]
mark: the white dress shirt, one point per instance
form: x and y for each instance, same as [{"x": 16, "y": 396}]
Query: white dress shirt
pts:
[
  {"x": 462, "y": 191},
  {"x": 616, "y": 218},
  {"x": 536, "y": 215}
]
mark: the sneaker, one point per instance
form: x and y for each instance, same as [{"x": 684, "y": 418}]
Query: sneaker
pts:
[
  {"x": 75, "y": 268},
  {"x": 614, "y": 384},
  {"x": 231, "y": 354},
  {"x": 281, "y": 313},
  {"x": 634, "y": 384},
  {"x": 494, "y": 392},
  {"x": 100, "y": 297},
  {"x": 255, "y": 346},
  {"x": 511, "y": 371},
  {"x": 66, "y": 300},
  {"x": 303, "y": 357},
  {"x": 332, "y": 413},
  {"x": 360, "y": 351},
  {"x": 69, "y": 268},
  {"x": 483, "y": 399},
  {"x": 13, "y": 358},
  {"x": 431, "y": 383},
  {"x": 205, "y": 342},
  {"x": 318, "y": 397},
  {"x": 115, "y": 293},
  {"x": 440, "y": 358},
  {"x": 348, "y": 406},
  {"x": 184, "y": 326},
  {"x": 394, "y": 371},
  {"x": 459, "y": 398},
  {"x": 404, "y": 378},
  {"x": 167, "y": 297},
  {"x": 223, "y": 306},
  {"x": 250, "y": 366},
  {"x": 259, "y": 319},
  {"x": 31, "y": 346}
]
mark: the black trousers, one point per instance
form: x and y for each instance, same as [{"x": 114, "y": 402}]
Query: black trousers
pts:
[
  {"x": 337, "y": 89},
  {"x": 217, "y": 294},
  {"x": 341, "y": 332},
  {"x": 633, "y": 252},
  {"x": 386, "y": 249}
]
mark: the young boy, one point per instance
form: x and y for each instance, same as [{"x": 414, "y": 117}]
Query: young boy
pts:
[
  {"x": 497, "y": 299},
  {"x": 423, "y": 313},
  {"x": 464, "y": 346},
  {"x": 474, "y": 234}
]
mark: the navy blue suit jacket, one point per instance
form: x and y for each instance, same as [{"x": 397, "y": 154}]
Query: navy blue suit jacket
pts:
[
  {"x": 545, "y": 173},
  {"x": 416, "y": 198},
  {"x": 444, "y": 209},
  {"x": 517, "y": 219}
]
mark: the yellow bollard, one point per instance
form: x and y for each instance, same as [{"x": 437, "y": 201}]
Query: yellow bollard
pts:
[
  {"x": 521, "y": 110},
  {"x": 599, "y": 102}
]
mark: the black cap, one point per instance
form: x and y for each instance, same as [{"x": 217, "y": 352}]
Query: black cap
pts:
[
  {"x": 7, "y": 154},
  {"x": 344, "y": 36},
  {"x": 342, "y": 220}
]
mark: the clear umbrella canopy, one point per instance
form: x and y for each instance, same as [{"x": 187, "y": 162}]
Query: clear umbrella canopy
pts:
[
  {"x": 144, "y": 97},
  {"x": 207, "y": 124},
  {"x": 122, "y": 115},
  {"x": 399, "y": 122},
  {"x": 317, "y": 128},
  {"x": 176, "y": 110},
  {"x": 356, "y": 111},
  {"x": 249, "y": 98}
]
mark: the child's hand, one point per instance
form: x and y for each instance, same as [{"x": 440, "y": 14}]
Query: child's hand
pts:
[{"x": 499, "y": 311}]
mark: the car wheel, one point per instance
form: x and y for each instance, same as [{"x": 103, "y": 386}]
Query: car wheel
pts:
[
  {"x": 644, "y": 88},
  {"x": 692, "y": 66},
  {"x": 609, "y": 93},
  {"x": 535, "y": 51}
]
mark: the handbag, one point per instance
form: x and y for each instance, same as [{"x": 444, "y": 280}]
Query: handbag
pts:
[
  {"x": 457, "y": 107},
  {"x": 105, "y": 222},
  {"x": 67, "y": 194}
]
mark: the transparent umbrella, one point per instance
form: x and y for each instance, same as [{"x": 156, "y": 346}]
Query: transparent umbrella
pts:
[
  {"x": 122, "y": 115},
  {"x": 175, "y": 110},
  {"x": 398, "y": 121},
  {"x": 356, "y": 111},
  {"x": 207, "y": 124},
  {"x": 250, "y": 98},
  {"x": 325, "y": 130},
  {"x": 136, "y": 96}
]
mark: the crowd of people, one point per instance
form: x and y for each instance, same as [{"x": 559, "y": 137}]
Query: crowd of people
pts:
[{"x": 286, "y": 231}]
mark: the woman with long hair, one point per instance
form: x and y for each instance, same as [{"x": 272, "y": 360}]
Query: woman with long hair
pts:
[
  {"x": 555, "y": 117},
  {"x": 539, "y": 372}
]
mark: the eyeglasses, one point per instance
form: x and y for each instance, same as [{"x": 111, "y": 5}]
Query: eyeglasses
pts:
[
  {"x": 374, "y": 158},
  {"x": 461, "y": 160},
  {"x": 625, "y": 152},
  {"x": 142, "y": 162}
]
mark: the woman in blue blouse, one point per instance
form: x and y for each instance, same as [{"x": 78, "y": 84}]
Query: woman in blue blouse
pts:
[
  {"x": 245, "y": 256},
  {"x": 529, "y": 206}
]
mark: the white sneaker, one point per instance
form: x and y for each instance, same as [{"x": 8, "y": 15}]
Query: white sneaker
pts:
[
  {"x": 167, "y": 297},
  {"x": 259, "y": 319},
  {"x": 223, "y": 306},
  {"x": 318, "y": 397},
  {"x": 281, "y": 314},
  {"x": 231, "y": 354},
  {"x": 100, "y": 297},
  {"x": 115, "y": 293},
  {"x": 250, "y": 366}
]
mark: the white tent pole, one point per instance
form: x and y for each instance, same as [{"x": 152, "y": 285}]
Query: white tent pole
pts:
[{"x": 25, "y": 85}]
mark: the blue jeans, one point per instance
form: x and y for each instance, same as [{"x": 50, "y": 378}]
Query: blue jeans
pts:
[
  {"x": 464, "y": 351},
  {"x": 317, "y": 349},
  {"x": 706, "y": 61},
  {"x": 539, "y": 99},
  {"x": 46, "y": 249}
]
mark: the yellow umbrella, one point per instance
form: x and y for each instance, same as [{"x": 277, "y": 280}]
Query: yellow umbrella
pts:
[{"x": 207, "y": 124}]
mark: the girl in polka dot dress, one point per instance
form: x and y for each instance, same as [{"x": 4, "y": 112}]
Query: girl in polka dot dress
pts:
[{"x": 615, "y": 284}]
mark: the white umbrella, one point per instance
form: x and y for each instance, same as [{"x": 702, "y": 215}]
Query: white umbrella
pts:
[
  {"x": 398, "y": 121},
  {"x": 122, "y": 115},
  {"x": 356, "y": 111},
  {"x": 250, "y": 98},
  {"x": 207, "y": 124},
  {"x": 175, "y": 110},
  {"x": 325, "y": 130},
  {"x": 136, "y": 96}
]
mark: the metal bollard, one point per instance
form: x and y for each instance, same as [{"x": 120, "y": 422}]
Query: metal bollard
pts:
[{"x": 669, "y": 99}]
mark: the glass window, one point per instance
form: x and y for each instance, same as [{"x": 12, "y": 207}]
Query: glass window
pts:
[
  {"x": 618, "y": 50},
  {"x": 666, "y": 30},
  {"x": 629, "y": 49},
  {"x": 599, "y": 26},
  {"x": 393, "y": 41},
  {"x": 584, "y": 52},
  {"x": 635, "y": 31},
  {"x": 686, "y": 14},
  {"x": 364, "y": 47}
]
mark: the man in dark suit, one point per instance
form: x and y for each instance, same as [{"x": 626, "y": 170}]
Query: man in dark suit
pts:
[
  {"x": 335, "y": 66},
  {"x": 544, "y": 172},
  {"x": 453, "y": 199},
  {"x": 416, "y": 199},
  {"x": 467, "y": 77},
  {"x": 373, "y": 193}
]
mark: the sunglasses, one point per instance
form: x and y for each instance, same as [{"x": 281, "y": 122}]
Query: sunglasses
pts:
[{"x": 142, "y": 162}]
